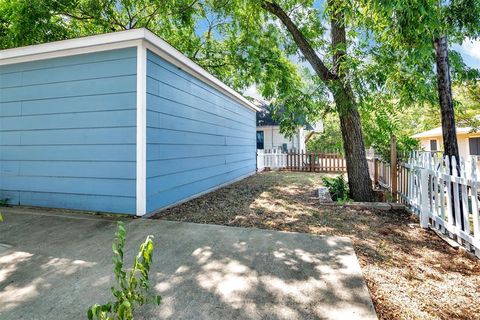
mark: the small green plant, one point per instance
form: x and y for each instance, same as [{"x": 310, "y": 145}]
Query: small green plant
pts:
[
  {"x": 3, "y": 203},
  {"x": 338, "y": 188},
  {"x": 133, "y": 288},
  {"x": 344, "y": 200}
]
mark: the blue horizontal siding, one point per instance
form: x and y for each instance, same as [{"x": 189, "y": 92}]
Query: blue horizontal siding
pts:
[
  {"x": 92, "y": 103},
  {"x": 166, "y": 73},
  {"x": 166, "y": 198},
  {"x": 161, "y": 152},
  {"x": 157, "y": 168},
  {"x": 90, "y": 186},
  {"x": 197, "y": 137},
  {"x": 173, "y": 122},
  {"x": 176, "y": 179},
  {"x": 69, "y": 89},
  {"x": 168, "y": 91},
  {"x": 97, "y": 203},
  {"x": 165, "y": 106},
  {"x": 166, "y": 136},
  {"x": 100, "y": 119},
  {"x": 68, "y": 132},
  {"x": 71, "y": 136},
  {"x": 70, "y": 169},
  {"x": 110, "y": 69},
  {"x": 91, "y": 152}
]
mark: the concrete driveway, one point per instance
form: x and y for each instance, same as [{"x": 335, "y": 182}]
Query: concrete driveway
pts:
[{"x": 54, "y": 266}]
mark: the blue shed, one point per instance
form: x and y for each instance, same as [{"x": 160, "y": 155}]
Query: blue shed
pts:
[{"x": 119, "y": 122}]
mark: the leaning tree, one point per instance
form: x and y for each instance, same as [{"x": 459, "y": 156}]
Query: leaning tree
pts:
[{"x": 336, "y": 79}]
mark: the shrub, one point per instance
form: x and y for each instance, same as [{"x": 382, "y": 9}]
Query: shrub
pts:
[
  {"x": 133, "y": 289},
  {"x": 337, "y": 187},
  {"x": 4, "y": 202}
]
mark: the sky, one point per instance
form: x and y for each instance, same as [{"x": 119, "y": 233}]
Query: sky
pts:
[{"x": 470, "y": 51}]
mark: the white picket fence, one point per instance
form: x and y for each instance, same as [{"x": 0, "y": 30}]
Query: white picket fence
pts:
[
  {"x": 273, "y": 159},
  {"x": 301, "y": 161},
  {"x": 448, "y": 203}
]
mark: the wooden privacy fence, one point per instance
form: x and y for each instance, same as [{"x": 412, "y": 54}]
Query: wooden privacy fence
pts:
[
  {"x": 379, "y": 172},
  {"x": 447, "y": 203},
  {"x": 300, "y": 161}
]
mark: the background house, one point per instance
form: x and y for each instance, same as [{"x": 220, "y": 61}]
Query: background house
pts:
[
  {"x": 269, "y": 136},
  {"x": 118, "y": 122},
  {"x": 468, "y": 141}
]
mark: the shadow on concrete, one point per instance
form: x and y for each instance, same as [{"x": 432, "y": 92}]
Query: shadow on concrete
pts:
[{"x": 58, "y": 266}]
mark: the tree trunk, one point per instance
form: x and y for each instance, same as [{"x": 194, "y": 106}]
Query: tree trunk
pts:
[
  {"x": 359, "y": 181},
  {"x": 444, "y": 86},
  {"x": 449, "y": 131},
  {"x": 357, "y": 167}
]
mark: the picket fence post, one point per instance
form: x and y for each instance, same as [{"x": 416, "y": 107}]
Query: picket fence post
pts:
[
  {"x": 393, "y": 167},
  {"x": 424, "y": 208},
  {"x": 474, "y": 199},
  {"x": 260, "y": 160}
]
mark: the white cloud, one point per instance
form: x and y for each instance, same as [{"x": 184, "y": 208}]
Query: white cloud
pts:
[{"x": 471, "y": 48}]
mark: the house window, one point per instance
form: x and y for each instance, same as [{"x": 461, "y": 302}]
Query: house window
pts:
[
  {"x": 433, "y": 145},
  {"x": 474, "y": 144},
  {"x": 260, "y": 140}
]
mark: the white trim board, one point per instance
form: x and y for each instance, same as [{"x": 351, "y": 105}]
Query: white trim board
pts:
[
  {"x": 117, "y": 40},
  {"x": 141, "y": 158}
]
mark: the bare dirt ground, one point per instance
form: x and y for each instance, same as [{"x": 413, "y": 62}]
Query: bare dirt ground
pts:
[{"x": 410, "y": 272}]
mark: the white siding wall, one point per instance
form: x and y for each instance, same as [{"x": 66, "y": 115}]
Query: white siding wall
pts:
[
  {"x": 425, "y": 143},
  {"x": 273, "y": 139},
  {"x": 463, "y": 148},
  {"x": 463, "y": 145}
]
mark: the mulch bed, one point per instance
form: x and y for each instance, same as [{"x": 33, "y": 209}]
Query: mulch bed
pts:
[{"x": 410, "y": 272}]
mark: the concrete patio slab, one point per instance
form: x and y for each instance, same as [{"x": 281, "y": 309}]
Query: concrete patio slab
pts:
[{"x": 54, "y": 266}]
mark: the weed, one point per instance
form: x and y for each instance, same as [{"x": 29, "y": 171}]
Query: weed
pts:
[
  {"x": 133, "y": 289},
  {"x": 338, "y": 188}
]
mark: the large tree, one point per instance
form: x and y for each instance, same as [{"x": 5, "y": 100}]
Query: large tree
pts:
[{"x": 336, "y": 80}]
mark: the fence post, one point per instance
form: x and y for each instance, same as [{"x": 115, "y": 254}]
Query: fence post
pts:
[
  {"x": 288, "y": 160},
  {"x": 375, "y": 171},
  {"x": 311, "y": 159},
  {"x": 474, "y": 199},
  {"x": 393, "y": 167},
  {"x": 424, "y": 208},
  {"x": 260, "y": 160}
]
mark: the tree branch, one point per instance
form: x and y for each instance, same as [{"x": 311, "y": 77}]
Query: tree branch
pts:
[
  {"x": 339, "y": 38},
  {"x": 303, "y": 44},
  {"x": 74, "y": 16}
]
